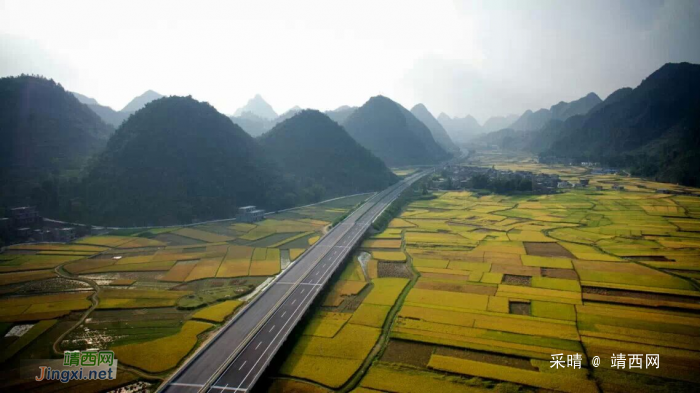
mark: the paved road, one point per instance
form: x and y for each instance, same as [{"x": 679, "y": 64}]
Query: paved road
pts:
[{"x": 235, "y": 358}]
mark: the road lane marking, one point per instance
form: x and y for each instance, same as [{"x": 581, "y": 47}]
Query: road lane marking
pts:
[
  {"x": 282, "y": 316},
  {"x": 239, "y": 368},
  {"x": 353, "y": 237},
  {"x": 302, "y": 291},
  {"x": 275, "y": 338},
  {"x": 273, "y": 328},
  {"x": 256, "y": 347},
  {"x": 229, "y": 389},
  {"x": 294, "y": 301},
  {"x": 189, "y": 385}
]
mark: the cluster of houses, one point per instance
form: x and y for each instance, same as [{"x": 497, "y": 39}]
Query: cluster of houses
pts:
[
  {"x": 460, "y": 177},
  {"x": 25, "y": 224}
]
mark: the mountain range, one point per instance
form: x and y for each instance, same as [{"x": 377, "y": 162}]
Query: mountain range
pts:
[
  {"x": 436, "y": 129},
  {"x": 115, "y": 118},
  {"x": 461, "y": 130},
  {"x": 653, "y": 129},
  {"x": 172, "y": 161},
  {"x": 341, "y": 113},
  {"x": 530, "y": 120},
  {"x": 393, "y": 134}
]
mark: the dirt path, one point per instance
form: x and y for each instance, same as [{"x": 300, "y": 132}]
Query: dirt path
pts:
[{"x": 95, "y": 302}]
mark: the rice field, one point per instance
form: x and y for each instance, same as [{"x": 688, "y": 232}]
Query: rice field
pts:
[
  {"x": 505, "y": 282},
  {"x": 159, "y": 288}
]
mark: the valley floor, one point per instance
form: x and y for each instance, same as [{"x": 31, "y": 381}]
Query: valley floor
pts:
[
  {"x": 151, "y": 296},
  {"x": 475, "y": 293}
]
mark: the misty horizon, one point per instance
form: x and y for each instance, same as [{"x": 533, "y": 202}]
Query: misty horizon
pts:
[{"x": 462, "y": 58}]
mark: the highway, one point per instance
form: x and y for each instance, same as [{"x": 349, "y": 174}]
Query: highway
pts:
[{"x": 234, "y": 359}]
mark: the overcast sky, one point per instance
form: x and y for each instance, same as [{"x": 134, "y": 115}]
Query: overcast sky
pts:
[{"x": 482, "y": 58}]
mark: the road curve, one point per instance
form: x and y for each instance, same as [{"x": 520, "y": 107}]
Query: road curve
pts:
[{"x": 235, "y": 358}]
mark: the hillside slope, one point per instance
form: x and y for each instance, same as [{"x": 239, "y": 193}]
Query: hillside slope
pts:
[
  {"x": 177, "y": 160},
  {"x": 46, "y": 134},
  {"x": 393, "y": 134},
  {"x": 436, "y": 129},
  {"x": 654, "y": 128},
  {"x": 141, "y": 101},
  {"x": 322, "y": 159}
]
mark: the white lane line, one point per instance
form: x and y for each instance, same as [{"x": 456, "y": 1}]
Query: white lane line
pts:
[
  {"x": 294, "y": 301},
  {"x": 272, "y": 328},
  {"x": 256, "y": 347},
  {"x": 282, "y": 316},
  {"x": 354, "y": 237},
  {"x": 189, "y": 385},
  {"x": 278, "y": 333},
  {"x": 239, "y": 368},
  {"x": 226, "y": 388},
  {"x": 302, "y": 290}
]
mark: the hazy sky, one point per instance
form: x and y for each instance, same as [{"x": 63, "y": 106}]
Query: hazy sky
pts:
[{"x": 467, "y": 57}]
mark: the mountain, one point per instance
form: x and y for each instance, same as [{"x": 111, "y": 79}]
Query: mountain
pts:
[
  {"x": 85, "y": 99},
  {"x": 341, "y": 113},
  {"x": 462, "y": 129},
  {"x": 436, "y": 129},
  {"x": 288, "y": 114},
  {"x": 496, "y": 123},
  {"x": 46, "y": 134},
  {"x": 259, "y": 107},
  {"x": 253, "y": 124},
  {"x": 177, "y": 160},
  {"x": 530, "y": 120},
  {"x": 320, "y": 157},
  {"x": 140, "y": 101},
  {"x": 393, "y": 133},
  {"x": 107, "y": 114},
  {"x": 653, "y": 129}
]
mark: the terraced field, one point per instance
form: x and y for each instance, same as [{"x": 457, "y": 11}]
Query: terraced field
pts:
[
  {"x": 152, "y": 296},
  {"x": 472, "y": 293}
]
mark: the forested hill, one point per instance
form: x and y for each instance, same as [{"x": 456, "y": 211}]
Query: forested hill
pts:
[
  {"x": 46, "y": 134},
  {"x": 176, "y": 160},
  {"x": 393, "y": 133},
  {"x": 322, "y": 159},
  {"x": 653, "y": 130}
]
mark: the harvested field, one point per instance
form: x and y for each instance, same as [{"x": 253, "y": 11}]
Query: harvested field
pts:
[
  {"x": 547, "y": 250},
  {"x": 511, "y": 279},
  {"x": 408, "y": 352},
  {"x": 390, "y": 269}
]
